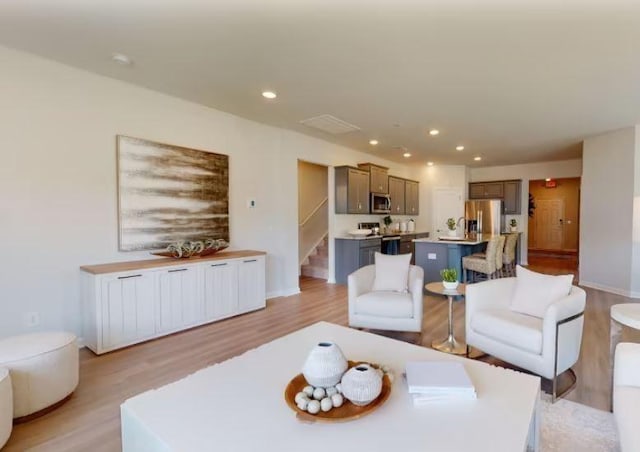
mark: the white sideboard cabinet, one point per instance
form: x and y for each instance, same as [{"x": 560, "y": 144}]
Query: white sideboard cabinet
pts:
[{"x": 126, "y": 303}]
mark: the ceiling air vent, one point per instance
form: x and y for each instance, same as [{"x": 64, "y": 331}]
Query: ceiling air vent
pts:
[{"x": 329, "y": 124}]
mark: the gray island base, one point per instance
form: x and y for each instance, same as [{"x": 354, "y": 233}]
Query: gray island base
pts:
[{"x": 434, "y": 255}]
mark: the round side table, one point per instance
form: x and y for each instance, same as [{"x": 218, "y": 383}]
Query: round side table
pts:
[
  {"x": 625, "y": 314},
  {"x": 450, "y": 344}
]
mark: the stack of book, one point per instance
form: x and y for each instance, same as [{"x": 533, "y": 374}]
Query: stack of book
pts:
[{"x": 435, "y": 381}]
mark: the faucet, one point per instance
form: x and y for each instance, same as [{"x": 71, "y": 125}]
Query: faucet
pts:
[{"x": 464, "y": 225}]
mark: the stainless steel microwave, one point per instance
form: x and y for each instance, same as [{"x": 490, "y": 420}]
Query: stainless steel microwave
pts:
[{"x": 380, "y": 203}]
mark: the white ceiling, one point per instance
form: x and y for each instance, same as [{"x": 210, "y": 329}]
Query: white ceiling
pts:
[{"x": 514, "y": 81}]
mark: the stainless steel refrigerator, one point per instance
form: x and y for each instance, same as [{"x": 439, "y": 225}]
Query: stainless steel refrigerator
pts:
[{"x": 484, "y": 216}]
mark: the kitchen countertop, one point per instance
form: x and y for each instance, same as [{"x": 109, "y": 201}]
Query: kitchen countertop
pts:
[
  {"x": 467, "y": 242},
  {"x": 379, "y": 236}
]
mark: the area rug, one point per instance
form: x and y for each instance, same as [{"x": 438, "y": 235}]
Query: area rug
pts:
[{"x": 567, "y": 426}]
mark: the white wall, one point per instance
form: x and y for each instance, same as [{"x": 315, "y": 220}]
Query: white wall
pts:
[
  {"x": 606, "y": 213},
  {"x": 58, "y": 181},
  {"x": 434, "y": 177},
  {"x": 526, "y": 172}
]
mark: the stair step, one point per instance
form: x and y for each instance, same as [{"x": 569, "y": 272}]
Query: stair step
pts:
[
  {"x": 322, "y": 250},
  {"x": 315, "y": 272},
  {"x": 319, "y": 261}
]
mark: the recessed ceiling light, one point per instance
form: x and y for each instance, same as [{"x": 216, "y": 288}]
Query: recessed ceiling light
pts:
[
  {"x": 406, "y": 155},
  {"x": 548, "y": 179},
  {"x": 477, "y": 159},
  {"x": 373, "y": 142},
  {"x": 459, "y": 148},
  {"x": 434, "y": 132},
  {"x": 429, "y": 163},
  {"x": 122, "y": 59},
  {"x": 269, "y": 94}
]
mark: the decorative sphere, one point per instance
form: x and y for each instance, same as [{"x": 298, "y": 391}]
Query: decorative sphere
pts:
[
  {"x": 337, "y": 400},
  {"x": 339, "y": 388},
  {"x": 303, "y": 404},
  {"x": 301, "y": 396},
  {"x": 326, "y": 404},
  {"x": 319, "y": 393},
  {"x": 308, "y": 390},
  {"x": 313, "y": 407},
  {"x": 331, "y": 391}
]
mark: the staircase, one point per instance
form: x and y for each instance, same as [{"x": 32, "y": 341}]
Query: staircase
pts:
[{"x": 317, "y": 264}]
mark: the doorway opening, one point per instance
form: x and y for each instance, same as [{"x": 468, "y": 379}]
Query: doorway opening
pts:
[
  {"x": 313, "y": 220},
  {"x": 554, "y": 224}
]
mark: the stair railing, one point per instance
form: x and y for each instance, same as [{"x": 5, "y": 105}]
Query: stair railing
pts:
[{"x": 312, "y": 230}]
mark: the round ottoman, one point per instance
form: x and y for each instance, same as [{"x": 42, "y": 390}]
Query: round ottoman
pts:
[
  {"x": 43, "y": 368},
  {"x": 6, "y": 406}
]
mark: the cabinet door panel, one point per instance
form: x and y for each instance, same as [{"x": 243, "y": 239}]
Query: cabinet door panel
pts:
[
  {"x": 178, "y": 301},
  {"x": 397, "y": 195},
  {"x": 411, "y": 198},
  {"x": 363, "y": 193},
  {"x": 251, "y": 284},
  {"x": 476, "y": 191},
  {"x": 512, "y": 197},
  {"x": 379, "y": 180},
  {"x": 221, "y": 290},
  {"x": 493, "y": 190},
  {"x": 127, "y": 309},
  {"x": 352, "y": 192}
]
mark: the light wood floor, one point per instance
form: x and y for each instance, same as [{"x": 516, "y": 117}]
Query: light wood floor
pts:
[{"x": 90, "y": 420}]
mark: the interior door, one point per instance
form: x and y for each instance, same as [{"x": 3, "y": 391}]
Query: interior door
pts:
[
  {"x": 550, "y": 224},
  {"x": 447, "y": 203}
]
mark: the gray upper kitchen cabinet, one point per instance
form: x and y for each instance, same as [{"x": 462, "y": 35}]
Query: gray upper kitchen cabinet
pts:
[
  {"x": 512, "y": 196},
  {"x": 378, "y": 177},
  {"x": 352, "y": 190},
  {"x": 397, "y": 195},
  {"x": 486, "y": 190},
  {"x": 412, "y": 198},
  {"x": 508, "y": 191}
]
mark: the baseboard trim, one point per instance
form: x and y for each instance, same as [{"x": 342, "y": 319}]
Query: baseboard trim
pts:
[
  {"x": 283, "y": 293},
  {"x": 613, "y": 290}
]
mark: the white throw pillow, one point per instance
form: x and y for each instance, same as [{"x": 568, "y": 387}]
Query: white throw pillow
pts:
[
  {"x": 535, "y": 292},
  {"x": 392, "y": 272}
]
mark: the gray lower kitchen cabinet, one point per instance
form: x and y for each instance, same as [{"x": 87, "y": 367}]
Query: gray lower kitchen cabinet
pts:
[
  {"x": 352, "y": 254},
  {"x": 352, "y": 190}
]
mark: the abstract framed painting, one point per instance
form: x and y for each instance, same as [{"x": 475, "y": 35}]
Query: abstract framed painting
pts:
[{"x": 169, "y": 193}]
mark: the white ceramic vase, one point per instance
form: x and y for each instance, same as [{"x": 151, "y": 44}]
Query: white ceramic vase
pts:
[
  {"x": 325, "y": 365},
  {"x": 450, "y": 285},
  {"x": 362, "y": 384},
  {"x": 453, "y": 233}
]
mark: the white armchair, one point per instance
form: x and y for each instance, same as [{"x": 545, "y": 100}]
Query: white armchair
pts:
[
  {"x": 544, "y": 346},
  {"x": 385, "y": 310},
  {"x": 626, "y": 395}
]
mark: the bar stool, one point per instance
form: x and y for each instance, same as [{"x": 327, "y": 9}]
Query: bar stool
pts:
[
  {"x": 500, "y": 256},
  {"x": 509, "y": 256},
  {"x": 483, "y": 264}
]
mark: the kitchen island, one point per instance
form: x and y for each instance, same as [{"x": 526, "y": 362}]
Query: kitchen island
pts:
[{"x": 435, "y": 254}]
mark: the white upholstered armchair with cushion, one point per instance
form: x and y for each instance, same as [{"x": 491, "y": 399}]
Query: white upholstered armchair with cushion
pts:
[
  {"x": 626, "y": 395},
  {"x": 532, "y": 321},
  {"x": 387, "y": 295}
]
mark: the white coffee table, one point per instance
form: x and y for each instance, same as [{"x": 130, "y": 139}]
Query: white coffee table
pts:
[{"x": 238, "y": 405}]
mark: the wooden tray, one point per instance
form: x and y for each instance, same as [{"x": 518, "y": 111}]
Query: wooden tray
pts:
[{"x": 347, "y": 412}]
